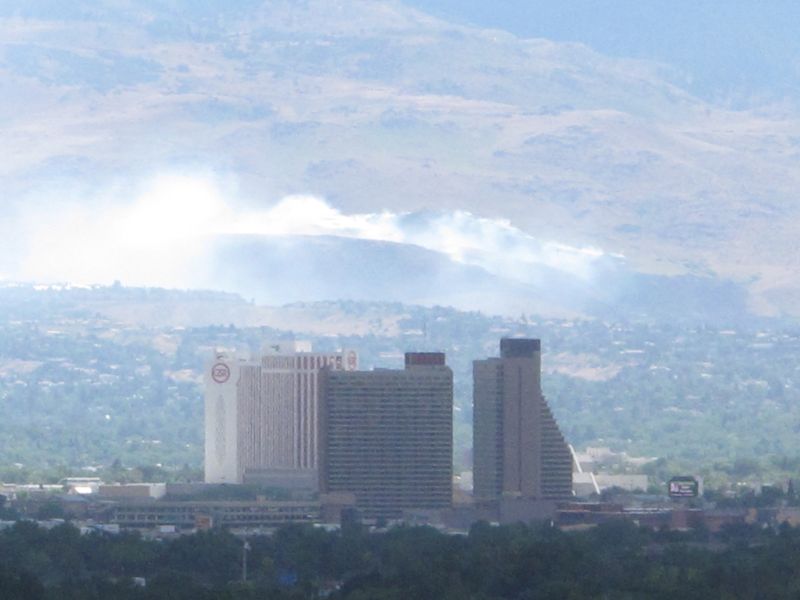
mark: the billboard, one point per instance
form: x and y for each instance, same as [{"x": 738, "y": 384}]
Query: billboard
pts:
[{"x": 683, "y": 487}]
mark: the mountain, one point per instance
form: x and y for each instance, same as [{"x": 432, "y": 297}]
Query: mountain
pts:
[
  {"x": 286, "y": 269},
  {"x": 734, "y": 52},
  {"x": 377, "y": 106}
]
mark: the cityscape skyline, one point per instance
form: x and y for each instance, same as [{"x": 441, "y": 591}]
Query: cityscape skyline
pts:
[
  {"x": 425, "y": 299},
  {"x": 385, "y": 436}
]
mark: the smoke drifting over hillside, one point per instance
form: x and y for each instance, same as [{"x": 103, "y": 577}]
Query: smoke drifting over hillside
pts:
[{"x": 160, "y": 236}]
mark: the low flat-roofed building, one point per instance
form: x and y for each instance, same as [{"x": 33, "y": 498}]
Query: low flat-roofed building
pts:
[
  {"x": 133, "y": 490},
  {"x": 230, "y": 513},
  {"x": 585, "y": 484},
  {"x": 81, "y": 485},
  {"x": 295, "y": 481}
]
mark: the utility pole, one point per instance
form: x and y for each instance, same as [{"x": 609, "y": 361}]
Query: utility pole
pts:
[{"x": 245, "y": 548}]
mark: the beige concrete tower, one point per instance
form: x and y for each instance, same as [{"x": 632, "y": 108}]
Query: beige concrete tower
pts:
[
  {"x": 222, "y": 377},
  {"x": 518, "y": 450},
  {"x": 261, "y": 414}
]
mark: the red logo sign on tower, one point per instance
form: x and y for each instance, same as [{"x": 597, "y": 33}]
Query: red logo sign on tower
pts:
[{"x": 220, "y": 372}]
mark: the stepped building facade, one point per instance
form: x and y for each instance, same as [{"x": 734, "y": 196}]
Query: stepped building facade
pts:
[{"x": 519, "y": 453}]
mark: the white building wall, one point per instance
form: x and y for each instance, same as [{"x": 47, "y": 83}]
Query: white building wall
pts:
[
  {"x": 221, "y": 416},
  {"x": 263, "y": 413}
]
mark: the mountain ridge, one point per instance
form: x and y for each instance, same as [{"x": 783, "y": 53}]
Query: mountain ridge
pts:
[{"x": 379, "y": 106}]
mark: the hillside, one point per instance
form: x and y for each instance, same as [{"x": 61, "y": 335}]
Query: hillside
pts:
[{"x": 376, "y": 106}]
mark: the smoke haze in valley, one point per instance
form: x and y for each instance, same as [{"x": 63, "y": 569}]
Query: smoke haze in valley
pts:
[
  {"x": 163, "y": 236},
  {"x": 440, "y": 157}
]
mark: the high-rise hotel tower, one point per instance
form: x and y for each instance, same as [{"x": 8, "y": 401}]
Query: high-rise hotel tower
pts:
[
  {"x": 518, "y": 451},
  {"x": 386, "y": 436},
  {"x": 262, "y": 414}
]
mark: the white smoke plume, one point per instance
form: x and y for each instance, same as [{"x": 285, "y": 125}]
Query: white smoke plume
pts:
[{"x": 157, "y": 237}]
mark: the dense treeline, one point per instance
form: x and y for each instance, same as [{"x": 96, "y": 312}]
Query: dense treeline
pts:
[{"x": 615, "y": 560}]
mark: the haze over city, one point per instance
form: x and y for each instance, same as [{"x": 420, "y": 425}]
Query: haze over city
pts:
[{"x": 399, "y": 299}]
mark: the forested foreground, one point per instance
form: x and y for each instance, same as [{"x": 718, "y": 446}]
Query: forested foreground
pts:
[{"x": 616, "y": 560}]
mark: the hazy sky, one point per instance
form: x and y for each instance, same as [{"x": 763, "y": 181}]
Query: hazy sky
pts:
[{"x": 738, "y": 49}]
